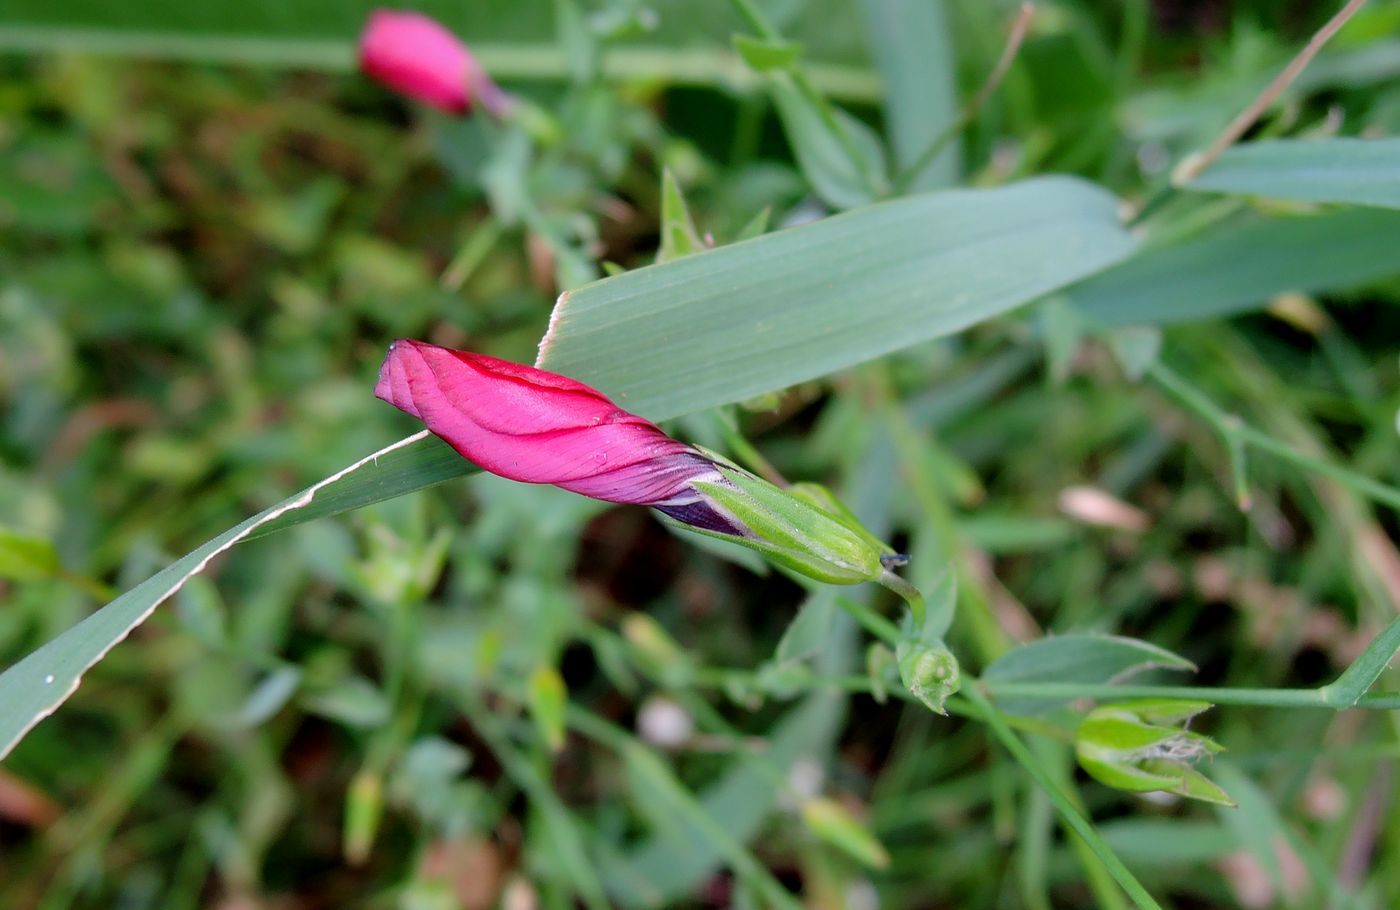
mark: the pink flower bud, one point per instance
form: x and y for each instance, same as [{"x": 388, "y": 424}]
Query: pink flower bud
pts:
[
  {"x": 539, "y": 427},
  {"x": 418, "y": 56}
]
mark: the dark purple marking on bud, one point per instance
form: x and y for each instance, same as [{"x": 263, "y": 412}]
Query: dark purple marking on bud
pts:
[{"x": 699, "y": 514}]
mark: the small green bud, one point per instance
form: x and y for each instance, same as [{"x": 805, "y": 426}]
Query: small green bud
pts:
[
  {"x": 929, "y": 671},
  {"x": 1144, "y": 746}
]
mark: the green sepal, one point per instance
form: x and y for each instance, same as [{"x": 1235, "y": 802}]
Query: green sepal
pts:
[
  {"x": 791, "y": 531},
  {"x": 1139, "y": 747},
  {"x": 929, "y": 671},
  {"x": 817, "y": 495}
]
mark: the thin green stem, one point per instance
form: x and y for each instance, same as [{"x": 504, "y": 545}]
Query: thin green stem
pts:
[
  {"x": 913, "y": 451},
  {"x": 1274, "y": 698},
  {"x": 1194, "y": 165},
  {"x": 756, "y": 20},
  {"x": 1154, "y": 204},
  {"x": 760, "y": 24},
  {"x": 627, "y": 746},
  {"x": 505, "y": 61},
  {"x": 1017, "y": 34},
  {"x": 1235, "y": 432},
  {"x": 540, "y": 791},
  {"x": 1062, "y": 801},
  {"x": 911, "y": 595}
]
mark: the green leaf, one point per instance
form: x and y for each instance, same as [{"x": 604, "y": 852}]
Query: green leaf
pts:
[
  {"x": 678, "y": 235},
  {"x": 33, "y": 688},
  {"x": 910, "y": 41},
  {"x": 1238, "y": 267},
  {"x": 841, "y": 157},
  {"x": 1153, "y": 843},
  {"x": 790, "y": 306},
  {"x": 941, "y": 599},
  {"x": 1135, "y": 347},
  {"x": 654, "y": 873},
  {"x": 1358, "y": 678},
  {"x": 566, "y": 850},
  {"x": 1074, "y": 659},
  {"x": 267, "y": 697},
  {"x": 684, "y": 821},
  {"x": 364, "y": 805},
  {"x": 706, "y": 330},
  {"x": 755, "y": 226},
  {"x": 1356, "y": 171},
  {"x": 26, "y": 558},
  {"x": 353, "y": 701},
  {"x": 764, "y": 55},
  {"x": 1062, "y": 327}
]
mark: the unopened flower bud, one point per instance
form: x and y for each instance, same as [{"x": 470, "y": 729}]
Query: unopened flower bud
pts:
[
  {"x": 417, "y": 55},
  {"x": 539, "y": 427},
  {"x": 930, "y": 672}
]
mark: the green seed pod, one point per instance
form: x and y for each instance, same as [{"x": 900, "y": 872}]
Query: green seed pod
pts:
[{"x": 1144, "y": 746}]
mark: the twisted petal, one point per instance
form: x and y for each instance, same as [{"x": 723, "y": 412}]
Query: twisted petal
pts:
[{"x": 539, "y": 427}]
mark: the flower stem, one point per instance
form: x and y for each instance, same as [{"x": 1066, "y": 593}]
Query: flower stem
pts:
[
  {"x": 907, "y": 591},
  {"x": 1272, "y": 698},
  {"x": 1062, "y": 801}
]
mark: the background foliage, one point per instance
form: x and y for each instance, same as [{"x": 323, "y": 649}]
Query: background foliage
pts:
[{"x": 490, "y": 693}]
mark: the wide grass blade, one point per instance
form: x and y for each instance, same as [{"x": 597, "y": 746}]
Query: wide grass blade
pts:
[
  {"x": 1358, "y": 171},
  {"x": 1239, "y": 267},
  {"x": 912, "y": 44},
  {"x": 698, "y": 332},
  {"x": 741, "y": 320}
]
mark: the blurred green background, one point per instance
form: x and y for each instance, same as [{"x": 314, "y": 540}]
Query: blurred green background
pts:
[{"x": 211, "y": 228}]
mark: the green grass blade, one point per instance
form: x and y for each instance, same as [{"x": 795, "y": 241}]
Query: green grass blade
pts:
[
  {"x": 784, "y": 308},
  {"x": 1061, "y": 800},
  {"x": 34, "y": 688},
  {"x": 698, "y": 332},
  {"x": 1357, "y": 171},
  {"x": 567, "y": 840},
  {"x": 1358, "y": 678},
  {"x": 911, "y": 43},
  {"x": 1239, "y": 267}
]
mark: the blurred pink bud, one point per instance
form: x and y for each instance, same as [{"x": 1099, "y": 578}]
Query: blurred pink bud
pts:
[
  {"x": 539, "y": 427},
  {"x": 417, "y": 56}
]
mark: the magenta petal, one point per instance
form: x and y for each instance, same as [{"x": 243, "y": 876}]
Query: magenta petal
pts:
[{"x": 538, "y": 427}]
